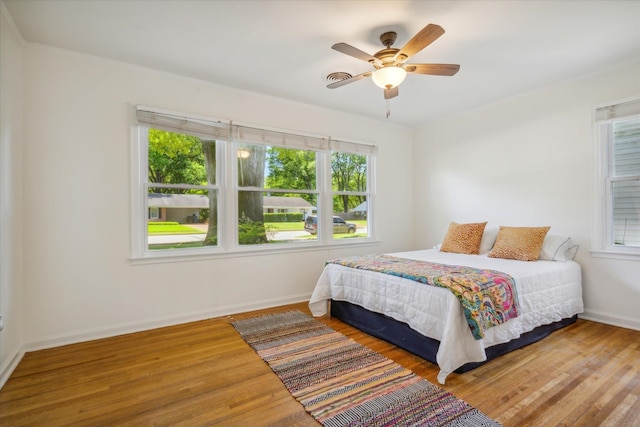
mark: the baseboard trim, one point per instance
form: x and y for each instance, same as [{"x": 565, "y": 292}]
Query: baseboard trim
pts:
[
  {"x": 11, "y": 365},
  {"x": 611, "y": 319},
  {"x": 128, "y": 328}
]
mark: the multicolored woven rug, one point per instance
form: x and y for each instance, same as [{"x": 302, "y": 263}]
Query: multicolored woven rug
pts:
[{"x": 343, "y": 383}]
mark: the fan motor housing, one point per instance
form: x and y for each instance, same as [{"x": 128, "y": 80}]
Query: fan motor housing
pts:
[
  {"x": 386, "y": 56},
  {"x": 388, "y": 38}
]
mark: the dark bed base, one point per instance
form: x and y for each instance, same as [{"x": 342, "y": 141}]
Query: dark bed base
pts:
[{"x": 403, "y": 336}]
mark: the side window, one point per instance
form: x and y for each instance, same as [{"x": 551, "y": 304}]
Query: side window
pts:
[
  {"x": 619, "y": 154},
  {"x": 624, "y": 182}
]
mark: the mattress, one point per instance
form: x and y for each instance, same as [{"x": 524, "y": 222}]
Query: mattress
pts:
[{"x": 547, "y": 291}]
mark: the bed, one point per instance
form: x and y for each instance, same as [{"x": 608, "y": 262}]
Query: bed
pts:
[{"x": 430, "y": 321}]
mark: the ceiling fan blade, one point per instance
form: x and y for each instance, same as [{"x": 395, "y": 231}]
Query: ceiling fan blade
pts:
[
  {"x": 349, "y": 80},
  {"x": 433, "y": 69},
  {"x": 347, "y": 49},
  {"x": 424, "y": 38},
  {"x": 391, "y": 93}
]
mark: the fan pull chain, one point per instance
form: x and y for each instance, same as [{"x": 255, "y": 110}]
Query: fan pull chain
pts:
[{"x": 388, "y": 108}]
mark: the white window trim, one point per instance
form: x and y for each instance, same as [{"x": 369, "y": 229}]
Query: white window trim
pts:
[
  {"x": 227, "y": 216},
  {"x": 601, "y": 230}
]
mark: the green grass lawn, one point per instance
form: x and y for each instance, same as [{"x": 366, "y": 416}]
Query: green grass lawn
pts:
[
  {"x": 171, "y": 228},
  {"x": 285, "y": 226}
]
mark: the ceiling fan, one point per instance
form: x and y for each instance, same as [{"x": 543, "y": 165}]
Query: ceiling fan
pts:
[{"x": 389, "y": 64}]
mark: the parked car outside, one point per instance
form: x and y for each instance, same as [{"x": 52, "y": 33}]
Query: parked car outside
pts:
[{"x": 340, "y": 226}]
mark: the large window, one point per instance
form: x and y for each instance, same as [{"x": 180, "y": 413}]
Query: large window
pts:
[
  {"x": 210, "y": 187},
  {"x": 618, "y": 228}
]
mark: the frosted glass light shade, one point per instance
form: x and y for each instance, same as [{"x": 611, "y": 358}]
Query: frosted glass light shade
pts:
[{"x": 389, "y": 77}]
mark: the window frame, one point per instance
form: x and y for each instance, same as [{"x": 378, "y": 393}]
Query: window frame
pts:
[
  {"x": 228, "y": 188},
  {"x": 237, "y": 187},
  {"x": 604, "y": 117},
  {"x": 154, "y": 213},
  {"x": 345, "y": 147}
]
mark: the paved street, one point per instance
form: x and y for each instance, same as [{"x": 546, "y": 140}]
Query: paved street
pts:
[{"x": 176, "y": 238}]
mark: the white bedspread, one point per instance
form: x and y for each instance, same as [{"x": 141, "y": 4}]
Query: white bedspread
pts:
[{"x": 547, "y": 291}]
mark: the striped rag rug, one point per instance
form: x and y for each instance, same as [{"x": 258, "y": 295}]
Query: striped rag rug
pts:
[{"x": 343, "y": 383}]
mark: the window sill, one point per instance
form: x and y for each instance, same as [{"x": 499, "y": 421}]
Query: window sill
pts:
[
  {"x": 632, "y": 255},
  {"x": 186, "y": 255}
]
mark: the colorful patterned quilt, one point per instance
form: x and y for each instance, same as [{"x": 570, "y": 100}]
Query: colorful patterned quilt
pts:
[{"x": 488, "y": 297}]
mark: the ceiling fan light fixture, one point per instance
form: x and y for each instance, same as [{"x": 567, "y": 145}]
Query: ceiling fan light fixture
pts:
[{"x": 389, "y": 77}]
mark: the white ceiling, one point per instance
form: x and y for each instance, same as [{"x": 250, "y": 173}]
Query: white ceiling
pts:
[{"x": 283, "y": 48}]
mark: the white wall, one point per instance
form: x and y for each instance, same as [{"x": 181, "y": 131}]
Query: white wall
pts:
[
  {"x": 77, "y": 136},
  {"x": 528, "y": 161},
  {"x": 11, "y": 303}
]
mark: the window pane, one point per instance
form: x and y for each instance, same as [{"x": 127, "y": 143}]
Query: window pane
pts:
[
  {"x": 275, "y": 167},
  {"x": 291, "y": 169},
  {"x": 275, "y": 218},
  {"x": 626, "y": 213},
  {"x": 251, "y": 165},
  {"x": 176, "y": 158},
  {"x": 626, "y": 147},
  {"x": 349, "y": 172},
  {"x": 349, "y": 216},
  {"x": 183, "y": 218}
]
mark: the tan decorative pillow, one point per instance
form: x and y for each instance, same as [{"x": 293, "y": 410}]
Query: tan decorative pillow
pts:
[
  {"x": 521, "y": 243},
  {"x": 463, "y": 238}
]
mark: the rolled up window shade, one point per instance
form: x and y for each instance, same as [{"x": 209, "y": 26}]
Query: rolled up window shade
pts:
[
  {"x": 352, "y": 147},
  {"x": 620, "y": 110},
  {"x": 175, "y": 123},
  {"x": 253, "y": 135}
]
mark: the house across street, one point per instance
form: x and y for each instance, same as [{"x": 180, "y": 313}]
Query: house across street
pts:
[{"x": 185, "y": 208}]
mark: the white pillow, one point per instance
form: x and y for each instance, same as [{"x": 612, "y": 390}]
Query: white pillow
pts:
[
  {"x": 488, "y": 239},
  {"x": 558, "y": 248}
]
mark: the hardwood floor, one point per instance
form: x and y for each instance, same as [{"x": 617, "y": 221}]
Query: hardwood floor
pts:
[{"x": 203, "y": 373}]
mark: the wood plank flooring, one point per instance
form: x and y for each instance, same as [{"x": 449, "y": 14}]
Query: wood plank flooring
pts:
[{"x": 203, "y": 373}]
